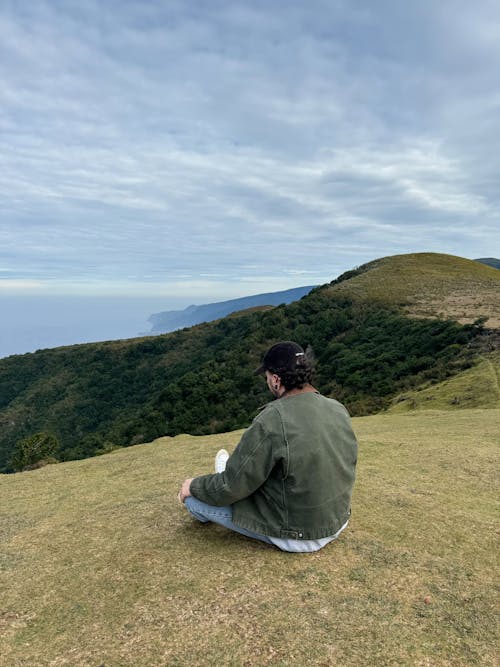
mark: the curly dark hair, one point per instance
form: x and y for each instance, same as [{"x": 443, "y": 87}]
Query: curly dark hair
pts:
[{"x": 302, "y": 374}]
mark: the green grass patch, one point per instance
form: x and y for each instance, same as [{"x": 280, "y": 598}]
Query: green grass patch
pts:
[
  {"x": 476, "y": 387},
  {"x": 100, "y": 565}
]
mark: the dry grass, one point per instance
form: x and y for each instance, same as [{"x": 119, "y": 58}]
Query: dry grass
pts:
[
  {"x": 431, "y": 285},
  {"x": 100, "y": 566}
]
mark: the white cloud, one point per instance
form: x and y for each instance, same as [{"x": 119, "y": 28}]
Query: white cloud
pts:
[
  {"x": 12, "y": 285},
  {"x": 153, "y": 139}
]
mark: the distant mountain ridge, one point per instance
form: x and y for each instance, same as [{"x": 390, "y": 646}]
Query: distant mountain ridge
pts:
[
  {"x": 170, "y": 320},
  {"x": 489, "y": 261}
]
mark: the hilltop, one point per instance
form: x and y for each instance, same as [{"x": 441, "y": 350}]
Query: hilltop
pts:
[
  {"x": 369, "y": 344},
  {"x": 100, "y": 565},
  {"x": 429, "y": 285}
]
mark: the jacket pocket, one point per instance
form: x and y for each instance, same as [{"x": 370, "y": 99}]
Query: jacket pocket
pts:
[{"x": 290, "y": 534}]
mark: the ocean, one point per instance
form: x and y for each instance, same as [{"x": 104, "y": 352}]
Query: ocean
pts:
[{"x": 29, "y": 323}]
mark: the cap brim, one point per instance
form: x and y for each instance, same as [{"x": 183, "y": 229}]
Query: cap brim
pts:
[{"x": 259, "y": 370}]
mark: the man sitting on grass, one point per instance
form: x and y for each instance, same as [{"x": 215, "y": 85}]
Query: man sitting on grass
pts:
[{"x": 289, "y": 480}]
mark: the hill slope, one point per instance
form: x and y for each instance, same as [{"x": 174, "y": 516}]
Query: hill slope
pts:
[
  {"x": 429, "y": 285},
  {"x": 490, "y": 261},
  {"x": 199, "y": 380},
  {"x": 99, "y": 564},
  {"x": 478, "y": 386}
]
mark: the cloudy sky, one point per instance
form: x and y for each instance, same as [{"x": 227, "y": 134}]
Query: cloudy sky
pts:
[{"x": 217, "y": 148}]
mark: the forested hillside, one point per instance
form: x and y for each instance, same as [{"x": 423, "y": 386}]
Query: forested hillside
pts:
[{"x": 199, "y": 380}]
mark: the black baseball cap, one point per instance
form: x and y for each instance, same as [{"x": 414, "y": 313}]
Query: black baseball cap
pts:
[{"x": 280, "y": 357}]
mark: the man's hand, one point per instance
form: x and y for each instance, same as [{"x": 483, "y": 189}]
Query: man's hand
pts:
[{"x": 185, "y": 490}]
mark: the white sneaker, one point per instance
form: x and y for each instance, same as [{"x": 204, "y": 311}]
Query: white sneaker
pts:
[{"x": 220, "y": 460}]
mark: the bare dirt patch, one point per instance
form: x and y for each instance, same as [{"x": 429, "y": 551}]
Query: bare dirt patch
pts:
[{"x": 464, "y": 305}]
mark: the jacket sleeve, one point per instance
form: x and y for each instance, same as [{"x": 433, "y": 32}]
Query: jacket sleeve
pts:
[{"x": 246, "y": 470}]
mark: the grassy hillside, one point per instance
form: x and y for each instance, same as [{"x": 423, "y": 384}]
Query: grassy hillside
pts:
[
  {"x": 199, "y": 380},
  {"x": 430, "y": 285},
  {"x": 478, "y": 386},
  {"x": 249, "y": 311},
  {"x": 100, "y": 565}
]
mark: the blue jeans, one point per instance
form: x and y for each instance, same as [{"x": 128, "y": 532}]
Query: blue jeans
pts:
[{"x": 221, "y": 515}]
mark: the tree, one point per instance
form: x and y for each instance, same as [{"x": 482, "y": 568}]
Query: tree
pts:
[{"x": 34, "y": 450}]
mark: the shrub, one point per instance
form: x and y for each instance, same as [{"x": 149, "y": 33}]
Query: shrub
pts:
[{"x": 30, "y": 452}]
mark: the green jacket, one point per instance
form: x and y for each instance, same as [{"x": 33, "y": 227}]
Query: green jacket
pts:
[{"x": 292, "y": 473}]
